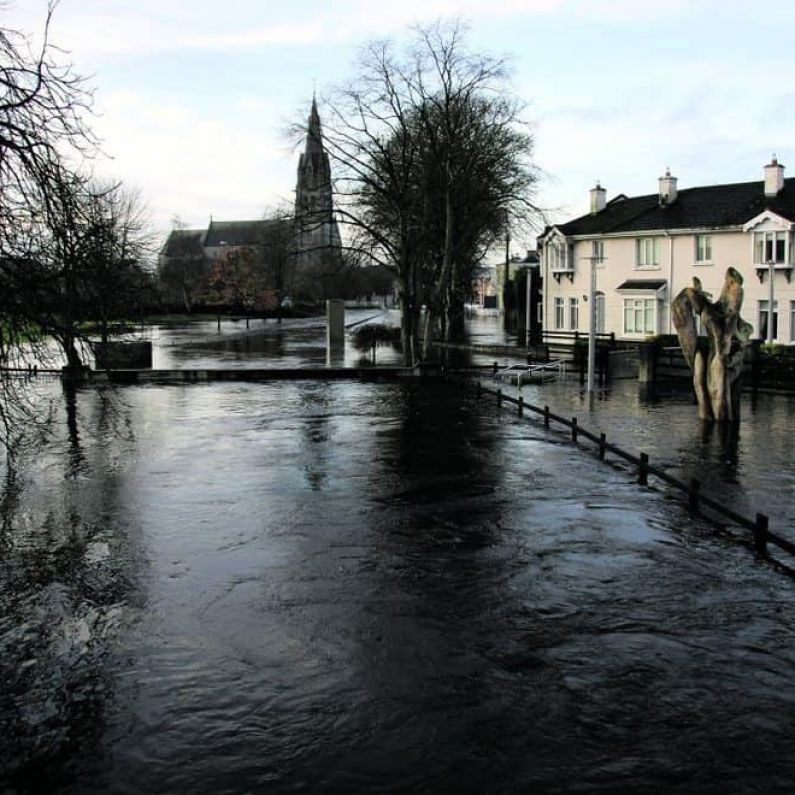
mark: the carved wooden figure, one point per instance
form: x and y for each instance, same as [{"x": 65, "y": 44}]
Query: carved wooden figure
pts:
[{"x": 716, "y": 359}]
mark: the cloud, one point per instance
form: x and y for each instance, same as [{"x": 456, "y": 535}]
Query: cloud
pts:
[
  {"x": 156, "y": 27},
  {"x": 193, "y": 163}
]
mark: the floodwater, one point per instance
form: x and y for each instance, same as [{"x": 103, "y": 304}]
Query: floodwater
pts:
[
  {"x": 295, "y": 342},
  {"x": 349, "y": 587}
]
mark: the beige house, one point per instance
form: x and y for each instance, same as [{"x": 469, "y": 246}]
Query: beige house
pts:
[{"x": 647, "y": 248}]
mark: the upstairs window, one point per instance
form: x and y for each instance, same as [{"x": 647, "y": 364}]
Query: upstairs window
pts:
[
  {"x": 703, "y": 248},
  {"x": 647, "y": 252},
  {"x": 559, "y": 257},
  {"x": 770, "y": 247},
  {"x": 598, "y": 251}
]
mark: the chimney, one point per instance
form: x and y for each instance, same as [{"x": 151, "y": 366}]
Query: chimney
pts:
[
  {"x": 598, "y": 195},
  {"x": 667, "y": 188},
  {"x": 774, "y": 178}
]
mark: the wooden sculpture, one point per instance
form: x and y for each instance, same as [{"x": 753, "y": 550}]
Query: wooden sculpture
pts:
[{"x": 717, "y": 358}]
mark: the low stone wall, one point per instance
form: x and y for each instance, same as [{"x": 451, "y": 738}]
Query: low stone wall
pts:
[
  {"x": 624, "y": 363},
  {"x": 123, "y": 355}
]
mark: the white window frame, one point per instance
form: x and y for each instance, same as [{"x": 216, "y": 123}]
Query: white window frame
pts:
[
  {"x": 598, "y": 251},
  {"x": 574, "y": 313},
  {"x": 766, "y": 247},
  {"x": 647, "y": 253},
  {"x": 560, "y": 257},
  {"x": 761, "y": 311},
  {"x": 559, "y": 314},
  {"x": 643, "y": 309},
  {"x": 703, "y": 255}
]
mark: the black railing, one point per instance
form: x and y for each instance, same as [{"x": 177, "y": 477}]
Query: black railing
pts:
[{"x": 759, "y": 526}]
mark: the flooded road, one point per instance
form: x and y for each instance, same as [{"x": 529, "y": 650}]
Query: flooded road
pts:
[
  {"x": 346, "y": 587},
  {"x": 295, "y": 342}
]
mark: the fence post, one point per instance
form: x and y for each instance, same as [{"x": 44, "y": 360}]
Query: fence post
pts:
[
  {"x": 499, "y": 397},
  {"x": 602, "y": 446},
  {"x": 693, "y": 494},
  {"x": 574, "y": 429},
  {"x": 478, "y": 393},
  {"x": 760, "y": 533},
  {"x": 643, "y": 472},
  {"x": 546, "y": 416},
  {"x": 521, "y": 405}
]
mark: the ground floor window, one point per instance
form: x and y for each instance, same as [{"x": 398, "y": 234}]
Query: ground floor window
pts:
[
  {"x": 763, "y": 319},
  {"x": 574, "y": 314},
  {"x": 640, "y": 316},
  {"x": 559, "y": 313}
]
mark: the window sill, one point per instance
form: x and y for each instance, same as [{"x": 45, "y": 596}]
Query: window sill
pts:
[
  {"x": 647, "y": 267},
  {"x": 703, "y": 263}
]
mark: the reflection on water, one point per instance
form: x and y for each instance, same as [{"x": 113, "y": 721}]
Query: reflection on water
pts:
[
  {"x": 69, "y": 564},
  {"x": 292, "y": 343},
  {"x": 341, "y": 587}
]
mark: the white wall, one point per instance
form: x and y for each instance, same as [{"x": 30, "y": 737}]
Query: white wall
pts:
[{"x": 729, "y": 248}]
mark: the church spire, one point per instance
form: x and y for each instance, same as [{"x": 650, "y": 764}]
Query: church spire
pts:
[{"x": 314, "y": 137}]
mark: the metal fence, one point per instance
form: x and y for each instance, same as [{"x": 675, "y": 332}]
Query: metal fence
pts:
[{"x": 759, "y": 526}]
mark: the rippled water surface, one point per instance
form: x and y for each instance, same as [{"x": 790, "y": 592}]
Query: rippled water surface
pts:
[{"x": 345, "y": 587}]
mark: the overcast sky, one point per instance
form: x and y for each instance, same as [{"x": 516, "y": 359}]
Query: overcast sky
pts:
[{"x": 193, "y": 96}]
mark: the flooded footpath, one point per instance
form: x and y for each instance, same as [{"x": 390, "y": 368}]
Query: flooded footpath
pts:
[{"x": 348, "y": 587}]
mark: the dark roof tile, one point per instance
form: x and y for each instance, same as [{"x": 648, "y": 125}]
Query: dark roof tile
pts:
[
  {"x": 707, "y": 207},
  {"x": 183, "y": 242},
  {"x": 240, "y": 233}
]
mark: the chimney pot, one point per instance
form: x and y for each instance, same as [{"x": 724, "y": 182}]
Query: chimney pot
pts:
[
  {"x": 598, "y": 198},
  {"x": 774, "y": 178},
  {"x": 667, "y": 186}
]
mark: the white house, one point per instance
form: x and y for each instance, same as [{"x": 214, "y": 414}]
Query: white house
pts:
[{"x": 650, "y": 247}]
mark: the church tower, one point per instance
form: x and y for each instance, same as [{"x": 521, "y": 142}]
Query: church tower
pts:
[{"x": 317, "y": 234}]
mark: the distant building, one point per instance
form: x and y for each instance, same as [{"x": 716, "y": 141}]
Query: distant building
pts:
[
  {"x": 650, "y": 247},
  {"x": 316, "y": 246}
]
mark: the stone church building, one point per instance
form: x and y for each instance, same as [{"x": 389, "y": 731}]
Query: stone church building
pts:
[{"x": 316, "y": 249}]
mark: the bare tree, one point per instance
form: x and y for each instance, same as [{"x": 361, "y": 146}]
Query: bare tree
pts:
[
  {"x": 277, "y": 255},
  {"x": 431, "y": 164},
  {"x": 115, "y": 278},
  {"x": 43, "y": 105}
]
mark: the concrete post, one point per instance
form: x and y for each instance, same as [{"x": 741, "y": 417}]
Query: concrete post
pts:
[
  {"x": 647, "y": 362},
  {"x": 335, "y": 328}
]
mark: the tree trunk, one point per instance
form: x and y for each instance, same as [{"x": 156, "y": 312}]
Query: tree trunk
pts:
[
  {"x": 441, "y": 294},
  {"x": 716, "y": 361},
  {"x": 70, "y": 350}
]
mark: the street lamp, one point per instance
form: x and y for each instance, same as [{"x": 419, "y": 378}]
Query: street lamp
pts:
[
  {"x": 590, "y": 388},
  {"x": 771, "y": 271},
  {"x": 527, "y": 307}
]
